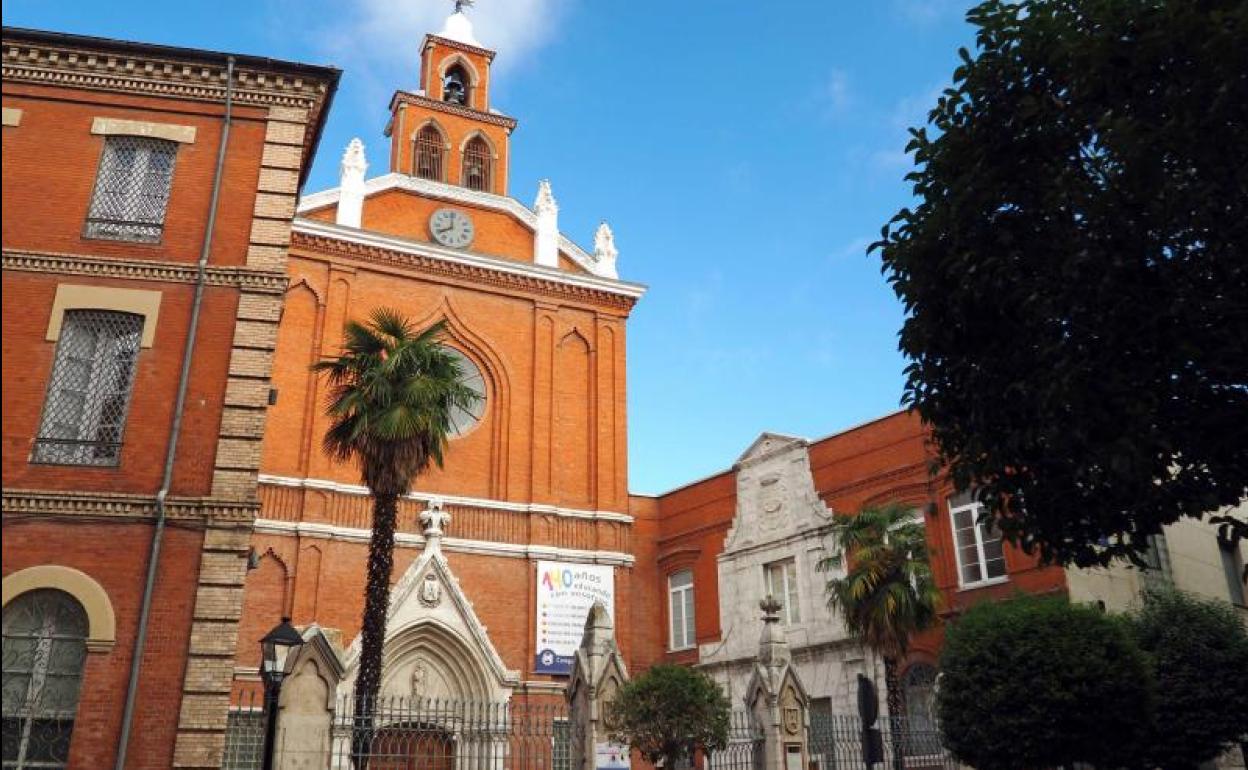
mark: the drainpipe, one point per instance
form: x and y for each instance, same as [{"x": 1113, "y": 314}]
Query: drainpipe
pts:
[{"x": 184, "y": 379}]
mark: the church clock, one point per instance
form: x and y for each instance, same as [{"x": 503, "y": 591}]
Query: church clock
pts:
[{"x": 451, "y": 228}]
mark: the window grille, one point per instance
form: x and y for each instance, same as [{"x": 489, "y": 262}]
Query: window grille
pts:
[
  {"x": 429, "y": 152},
  {"x": 45, "y": 635},
  {"x": 244, "y": 739},
  {"x": 89, "y": 393},
  {"x": 477, "y": 161},
  {"x": 132, "y": 189}
]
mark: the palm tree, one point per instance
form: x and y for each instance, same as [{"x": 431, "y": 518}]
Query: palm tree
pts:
[
  {"x": 887, "y": 594},
  {"x": 393, "y": 392}
]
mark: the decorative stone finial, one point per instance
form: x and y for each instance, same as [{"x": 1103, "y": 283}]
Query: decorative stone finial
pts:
[
  {"x": 434, "y": 519},
  {"x": 546, "y": 234},
  {"x": 351, "y": 185},
  {"x": 773, "y": 647},
  {"x": 605, "y": 251}
]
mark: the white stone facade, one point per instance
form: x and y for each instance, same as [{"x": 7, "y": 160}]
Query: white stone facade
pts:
[{"x": 781, "y": 518}]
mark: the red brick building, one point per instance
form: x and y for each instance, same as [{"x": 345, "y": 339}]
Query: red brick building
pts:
[{"x": 128, "y": 220}]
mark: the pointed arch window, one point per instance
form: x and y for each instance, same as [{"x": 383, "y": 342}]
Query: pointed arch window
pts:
[
  {"x": 45, "y": 647},
  {"x": 429, "y": 153},
  {"x": 477, "y": 165},
  {"x": 455, "y": 85}
]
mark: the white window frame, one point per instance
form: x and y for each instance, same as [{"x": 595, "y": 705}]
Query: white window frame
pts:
[
  {"x": 686, "y": 639},
  {"x": 789, "y": 594},
  {"x": 974, "y": 507}
]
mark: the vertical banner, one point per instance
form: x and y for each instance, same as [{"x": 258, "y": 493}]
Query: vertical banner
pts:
[{"x": 565, "y": 592}]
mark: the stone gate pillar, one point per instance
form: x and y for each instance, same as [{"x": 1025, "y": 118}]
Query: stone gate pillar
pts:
[
  {"x": 776, "y": 700},
  {"x": 306, "y": 707},
  {"x": 597, "y": 673}
]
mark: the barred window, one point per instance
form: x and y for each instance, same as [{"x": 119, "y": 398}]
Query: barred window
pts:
[
  {"x": 477, "y": 161},
  {"x": 244, "y": 740},
  {"x": 45, "y": 645},
  {"x": 132, "y": 189},
  {"x": 429, "y": 150},
  {"x": 89, "y": 393}
]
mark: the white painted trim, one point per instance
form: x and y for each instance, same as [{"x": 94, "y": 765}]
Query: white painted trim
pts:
[
  {"x": 315, "y": 227},
  {"x": 479, "y": 502},
  {"x": 457, "y": 194},
  {"x": 459, "y": 545}
]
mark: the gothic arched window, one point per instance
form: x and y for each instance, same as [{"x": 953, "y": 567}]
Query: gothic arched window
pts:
[
  {"x": 45, "y": 646},
  {"x": 455, "y": 84},
  {"x": 918, "y": 687},
  {"x": 477, "y": 162},
  {"x": 429, "y": 152}
]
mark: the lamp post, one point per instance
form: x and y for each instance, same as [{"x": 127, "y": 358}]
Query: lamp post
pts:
[{"x": 277, "y": 649}]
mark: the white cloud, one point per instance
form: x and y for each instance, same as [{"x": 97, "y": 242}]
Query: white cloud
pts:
[
  {"x": 377, "y": 42},
  {"x": 836, "y": 96}
]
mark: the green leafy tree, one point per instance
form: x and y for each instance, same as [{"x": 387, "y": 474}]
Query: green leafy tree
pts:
[
  {"x": 1037, "y": 683},
  {"x": 669, "y": 713},
  {"x": 887, "y": 594},
  {"x": 393, "y": 392},
  {"x": 1198, "y": 650},
  {"x": 1073, "y": 269}
]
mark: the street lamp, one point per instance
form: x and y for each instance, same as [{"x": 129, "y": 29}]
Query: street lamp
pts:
[{"x": 278, "y": 648}]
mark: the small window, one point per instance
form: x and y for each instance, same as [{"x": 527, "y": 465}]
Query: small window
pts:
[
  {"x": 455, "y": 86},
  {"x": 244, "y": 740},
  {"x": 132, "y": 189},
  {"x": 429, "y": 151},
  {"x": 980, "y": 552},
  {"x": 89, "y": 393},
  {"x": 1233, "y": 566},
  {"x": 781, "y": 580},
  {"x": 477, "y": 162},
  {"x": 45, "y": 646},
  {"x": 680, "y": 604}
]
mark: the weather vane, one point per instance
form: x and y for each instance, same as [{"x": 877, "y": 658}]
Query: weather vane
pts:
[{"x": 460, "y": 5}]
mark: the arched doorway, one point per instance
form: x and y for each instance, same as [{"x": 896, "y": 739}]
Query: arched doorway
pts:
[{"x": 412, "y": 746}]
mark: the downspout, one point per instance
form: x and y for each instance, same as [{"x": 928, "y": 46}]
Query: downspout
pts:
[{"x": 184, "y": 379}]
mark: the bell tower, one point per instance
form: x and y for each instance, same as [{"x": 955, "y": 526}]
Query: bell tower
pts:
[{"x": 446, "y": 131}]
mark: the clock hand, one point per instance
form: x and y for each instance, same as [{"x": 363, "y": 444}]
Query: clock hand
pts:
[{"x": 446, "y": 229}]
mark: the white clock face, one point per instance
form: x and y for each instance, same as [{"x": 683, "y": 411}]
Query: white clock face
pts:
[{"x": 451, "y": 228}]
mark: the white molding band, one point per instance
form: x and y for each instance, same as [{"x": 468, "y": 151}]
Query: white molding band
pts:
[
  {"x": 457, "y": 194},
  {"x": 479, "y": 502},
  {"x": 120, "y": 127},
  {"x": 458, "y": 545}
]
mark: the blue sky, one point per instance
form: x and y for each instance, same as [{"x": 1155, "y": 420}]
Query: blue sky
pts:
[{"x": 745, "y": 153}]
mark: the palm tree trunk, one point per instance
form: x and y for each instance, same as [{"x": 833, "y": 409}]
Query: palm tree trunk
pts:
[
  {"x": 892, "y": 686},
  {"x": 373, "y": 628}
]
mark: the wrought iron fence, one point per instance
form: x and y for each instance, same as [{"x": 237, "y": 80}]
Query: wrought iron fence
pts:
[
  {"x": 405, "y": 734},
  {"x": 836, "y": 743},
  {"x": 745, "y": 745}
]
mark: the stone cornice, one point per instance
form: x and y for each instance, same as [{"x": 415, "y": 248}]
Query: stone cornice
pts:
[
  {"x": 493, "y": 118},
  {"x": 456, "y": 194},
  {"x": 350, "y": 243},
  {"x": 124, "y": 506},
  {"x": 457, "y": 44},
  {"x": 247, "y": 279},
  {"x": 201, "y": 78}
]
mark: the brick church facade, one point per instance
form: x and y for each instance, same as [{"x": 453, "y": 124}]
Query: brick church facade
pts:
[{"x": 258, "y": 523}]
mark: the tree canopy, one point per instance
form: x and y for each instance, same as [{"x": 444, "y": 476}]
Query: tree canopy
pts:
[
  {"x": 1198, "y": 651},
  {"x": 669, "y": 712},
  {"x": 1074, "y": 269},
  {"x": 1035, "y": 682}
]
